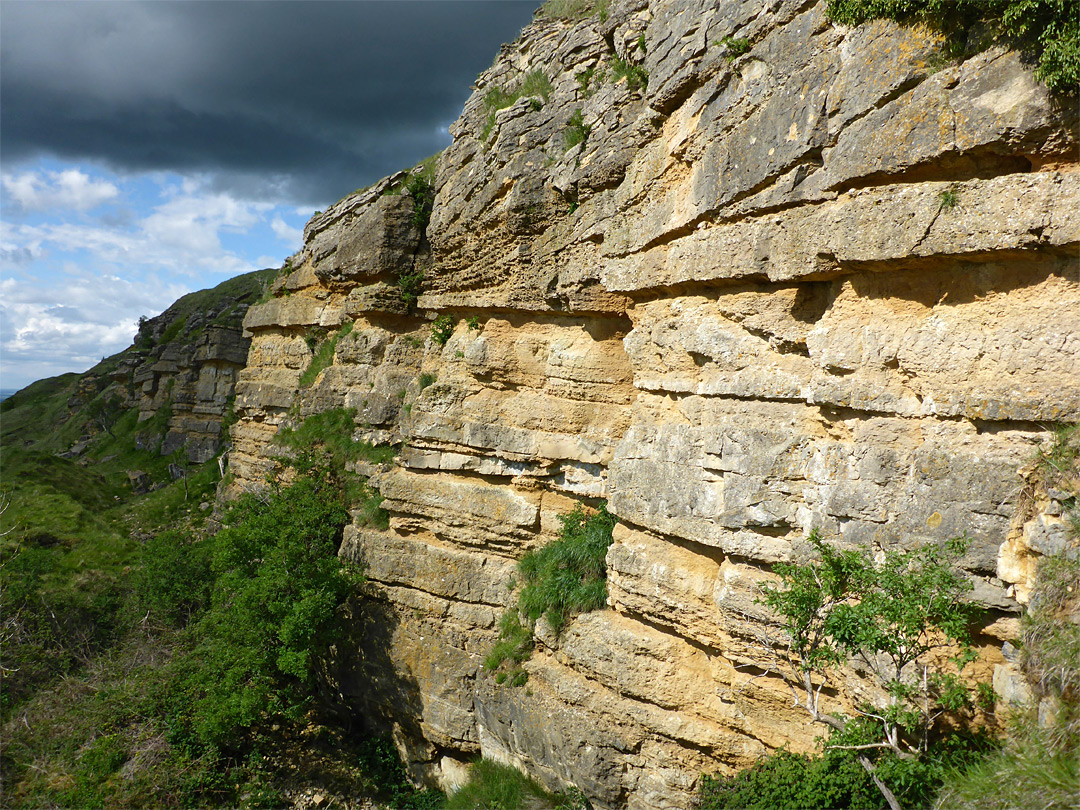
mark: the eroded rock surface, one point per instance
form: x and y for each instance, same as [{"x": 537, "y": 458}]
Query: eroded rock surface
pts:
[{"x": 831, "y": 283}]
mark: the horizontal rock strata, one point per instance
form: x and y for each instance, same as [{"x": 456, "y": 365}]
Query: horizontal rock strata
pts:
[{"x": 831, "y": 283}]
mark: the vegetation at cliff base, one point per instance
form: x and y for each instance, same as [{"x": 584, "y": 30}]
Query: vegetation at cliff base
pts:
[
  {"x": 1037, "y": 767},
  {"x": 495, "y": 786},
  {"x": 1046, "y": 31}
]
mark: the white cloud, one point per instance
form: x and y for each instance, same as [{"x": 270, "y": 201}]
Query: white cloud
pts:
[
  {"x": 293, "y": 237},
  {"x": 69, "y": 189},
  {"x": 73, "y": 287},
  {"x": 63, "y": 327},
  {"x": 181, "y": 235}
]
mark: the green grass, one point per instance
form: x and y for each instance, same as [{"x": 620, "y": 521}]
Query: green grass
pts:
[
  {"x": 949, "y": 199},
  {"x": 560, "y": 580},
  {"x": 172, "y": 330},
  {"x": 637, "y": 78},
  {"x": 494, "y": 786},
  {"x": 323, "y": 348},
  {"x": 573, "y": 9},
  {"x": 576, "y": 132},
  {"x": 1029, "y": 773},
  {"x": 332, "y": 431},
  {"x": 534, "y": 84}
]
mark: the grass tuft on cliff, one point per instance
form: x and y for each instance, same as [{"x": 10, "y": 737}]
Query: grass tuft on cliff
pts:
[
  {"x": 560, "y": 580},
  {"x": 534, "y": 84}
]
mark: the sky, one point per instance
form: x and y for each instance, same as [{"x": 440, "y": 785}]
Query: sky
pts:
[{"x": 151, "y": 148}]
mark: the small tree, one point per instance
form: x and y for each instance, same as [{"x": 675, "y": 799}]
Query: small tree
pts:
[{"x": 901, "y": 618}]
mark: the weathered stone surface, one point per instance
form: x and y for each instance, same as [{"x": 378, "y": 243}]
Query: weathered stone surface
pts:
[{"x": 829, "y": 284}]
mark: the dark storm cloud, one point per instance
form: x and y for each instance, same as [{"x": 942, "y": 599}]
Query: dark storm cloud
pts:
[{"x": 313, "y": 98}]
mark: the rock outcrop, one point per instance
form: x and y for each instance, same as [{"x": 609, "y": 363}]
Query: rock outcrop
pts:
[
  {"x": 181, "y": 370},
  {"x": 828, "y": 283}
]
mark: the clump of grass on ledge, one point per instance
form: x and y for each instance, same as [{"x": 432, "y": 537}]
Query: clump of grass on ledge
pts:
[
  {"x": 576, "y": 132},
  {"x": 637, "y": 78},
  {"x": 498, "y": 98},
  {"x": 564, "y": 578},
  {"x": 735, "y": 47},
  {"x": 573, "y": 9},
  {"x": 323, "y": 355}
]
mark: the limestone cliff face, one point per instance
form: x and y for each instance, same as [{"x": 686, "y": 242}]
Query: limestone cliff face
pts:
[{"x": 830, "y": 283}]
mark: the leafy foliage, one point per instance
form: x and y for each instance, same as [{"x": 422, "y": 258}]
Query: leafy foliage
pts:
[
  {"x": 442, "y": 328},
  {"x": 420, "y": 186},
  {"x": 902, "y": 617},
  {"x": 735, "y": 47},
  {"x": 1046, "y": 30},
  {"x": 277, "y": 584},
  {"x": 173, "y": 583},
  {"x": 409, "y": 283},
  {"x": 381, "y": 764},
  {"x": 787, "y": 781},
  {"x": 637, "y": 78}
]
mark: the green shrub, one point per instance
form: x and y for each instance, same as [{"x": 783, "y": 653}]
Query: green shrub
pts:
[
  {"x": 442, "y": 328},
  {"x": 576, "y": 132},
  {"x": 735, "y": 47},
  {"x": 408, "y": 284},
  {"x": 426, "y": 380},
  {"x": 1048, "y": 31},
  {"x": 420, "y": 186},
  {"x": 566, "y": 577},
  {"x": 174, "y": 579},
  {"x": 381, "y": 766},
  {"x": 278, "y": 583},
  {"x": 787, "y": 781},
  {"x": 637, "y": 78},
  {"x": 904, "y": 618}
]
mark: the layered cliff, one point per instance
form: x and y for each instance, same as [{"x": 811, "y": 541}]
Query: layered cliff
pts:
[
  {"x": 825, "y": 279},
  {"x": 180, "y": 372}
]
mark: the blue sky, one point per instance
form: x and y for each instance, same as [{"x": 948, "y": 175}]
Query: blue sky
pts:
[
  {"x": 149, "y": 148},
  {"x": 84, "y": 251}
]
